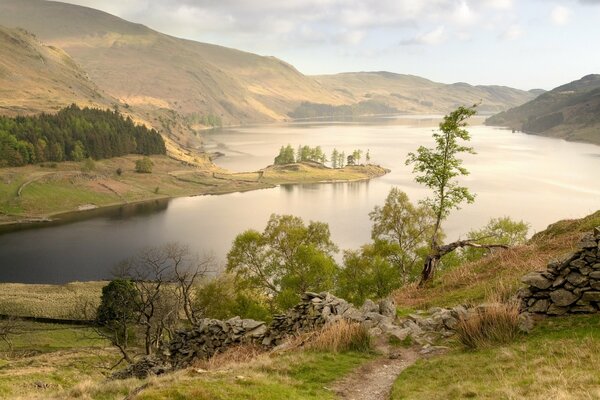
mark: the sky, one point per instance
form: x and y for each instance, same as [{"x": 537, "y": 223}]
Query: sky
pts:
[{"x": 525, "y": 44}]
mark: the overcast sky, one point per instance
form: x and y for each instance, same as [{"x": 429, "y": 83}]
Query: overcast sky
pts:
[{"x": 521, "y": 43}]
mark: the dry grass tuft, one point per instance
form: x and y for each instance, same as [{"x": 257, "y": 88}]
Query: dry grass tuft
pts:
[
  {"x": 495, "y": 323},
  {"x": 232, "y": 357},
  {"x": 341, "y": 336}
]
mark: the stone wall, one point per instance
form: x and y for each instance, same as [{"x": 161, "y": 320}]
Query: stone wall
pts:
[
  {"x": 315, "y": 310},
  {"x": 570, "y": 285}
]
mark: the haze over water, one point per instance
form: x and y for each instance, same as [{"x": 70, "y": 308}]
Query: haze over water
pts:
[{"x": 536, "y": 179}]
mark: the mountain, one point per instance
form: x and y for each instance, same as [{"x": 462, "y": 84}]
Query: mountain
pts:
[
  {"x": 176, "y": 84},
  {"x": 147, "y": 69},
  {"x": 413, "y": 94},
  {"x": 570, "y": 111},
  {"x": 36, "y": 78}
]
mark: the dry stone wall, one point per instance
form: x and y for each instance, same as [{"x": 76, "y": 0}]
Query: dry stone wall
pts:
[{"x": 570, "y": 285}]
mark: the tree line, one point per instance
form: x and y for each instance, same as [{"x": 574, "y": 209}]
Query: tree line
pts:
[
  {"x": 338, "y": 159},
  {"x": 74, "y": 134}
]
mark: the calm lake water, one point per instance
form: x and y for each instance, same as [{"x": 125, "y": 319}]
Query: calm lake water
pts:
[{"x": 526, "y": 177}]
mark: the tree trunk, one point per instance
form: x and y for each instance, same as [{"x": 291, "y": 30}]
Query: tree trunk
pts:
[{"x": 437, "y": 252}]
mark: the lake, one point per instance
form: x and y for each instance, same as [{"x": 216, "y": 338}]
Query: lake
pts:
[{"x": 526, "y": 177}]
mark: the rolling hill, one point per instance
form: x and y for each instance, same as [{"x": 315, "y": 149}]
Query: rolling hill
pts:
[
  {"x": 151, "y": 71},
  {"x": 35, "y": 77},
  {"x": 570, "y": 111},
  {"x": 413, "y": 94}
]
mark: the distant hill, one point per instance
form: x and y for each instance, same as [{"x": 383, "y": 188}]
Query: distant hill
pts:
[
  {"x": 571, "y": 111},
  {"x": 413, "y": 94},
  {"x": 35, "y": 77}
]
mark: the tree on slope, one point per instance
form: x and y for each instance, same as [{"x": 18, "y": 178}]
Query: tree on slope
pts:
[{"x": 439, "y": 168}]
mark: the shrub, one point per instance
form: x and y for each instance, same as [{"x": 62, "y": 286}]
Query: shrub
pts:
[
  {"x": 494, "y": 323},
  {"x": 144, "y": 165},
  {"x": 341, "y": 336},
  {"x": 88, "y": 165},
  {"x": 119, "y": 171}
]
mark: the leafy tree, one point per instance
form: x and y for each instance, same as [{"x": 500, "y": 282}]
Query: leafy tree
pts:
[
  {"x": 144, "y": 165},
  {"x": 439, "y": 168},
  {"x": 334, "y": 158},
  {"x": 287, "y": 259},
  {"x": 73, "y": 134},
  {"x": 117, "y": 313},
  {"x": 402, "y": 230},
  {"x": 286, "y": 156},
  {"x": 356, "y": 155},
  {"x": 366, "y": 274},
  {"x": 221, "y": 298},
  {"x": 368, "y": 156},
  {"x": 342, "y": 159},
  {"x": 350, "y": 160},
  {"x": 502, "y": 230}
]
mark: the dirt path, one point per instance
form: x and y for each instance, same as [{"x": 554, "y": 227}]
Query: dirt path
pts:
[{"x": 374, "y": 380}]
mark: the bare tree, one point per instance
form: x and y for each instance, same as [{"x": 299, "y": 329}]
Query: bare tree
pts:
[
  {"x": 9, "y": 326},
  {"x": 165, "y": 278}
]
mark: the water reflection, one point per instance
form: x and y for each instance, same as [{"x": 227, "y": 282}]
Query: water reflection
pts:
[{"x": 532, "y": 178}]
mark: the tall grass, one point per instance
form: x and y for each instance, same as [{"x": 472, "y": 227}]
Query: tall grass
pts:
[
  {"x": 341, "y": 336},
  {"x": 495, "y": 323}
]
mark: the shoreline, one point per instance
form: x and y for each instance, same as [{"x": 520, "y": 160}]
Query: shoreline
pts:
[{"x": 66, "y": 216}]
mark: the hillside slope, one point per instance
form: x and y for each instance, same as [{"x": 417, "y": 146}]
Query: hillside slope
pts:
[
  {"x": 151, "y": 72},
  {"x": 413, "y": 94},
  {"x": 148, "y": 69},
  {"x": 35, "y": 77},
  {"x": 571, "y": 111}
]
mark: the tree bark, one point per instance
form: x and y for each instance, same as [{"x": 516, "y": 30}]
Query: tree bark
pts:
[{"x": 433, "y": 259}]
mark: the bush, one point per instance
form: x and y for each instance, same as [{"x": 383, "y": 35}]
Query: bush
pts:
[
  {"x": 88, "y": 165},
  {"x": 493, "y": 324},
  {"x": 119, "y": 171},
  {"x": 144, "y": 165},
  {"x": 341, "y": 336}
]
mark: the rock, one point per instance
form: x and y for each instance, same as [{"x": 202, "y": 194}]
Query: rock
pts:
[
  {"x": 576, "y": 278},
  {"x": 387, "y": 307},
  {"x": 562, "y": 297},
  {"x": 536, "y": 280},
  {"x": 555, "y": 310},
  {"x": 369, "y": 307},
  {"x": 525, "y": 322},
  {"x": 591, "y": 297},
  {"x": 540, "y": 306},
  {"x": 583, "y": 309}
]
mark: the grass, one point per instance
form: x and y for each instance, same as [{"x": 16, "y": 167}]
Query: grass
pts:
[
  {"x": 493, "y": 324},
  {"x": 49, "y": 301},
  {"x": 37, "y": 191},
  {"x": 341, "y": 336},
  {"x": 557, "y": 360},
  {"x": 47, "y": 359},
  {"x": 295, "y": 375},
  {"x": 475, "y": 282}
]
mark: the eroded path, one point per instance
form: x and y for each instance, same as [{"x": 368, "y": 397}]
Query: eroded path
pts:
[{"x": 374, "y": 380}]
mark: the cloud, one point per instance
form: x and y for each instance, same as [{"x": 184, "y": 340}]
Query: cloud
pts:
[
  {"x": 434, "y": 37},
  {"x": 560, "y": 15},
  {"x": 514, "y": 32},
  {"x": 274, "y": 24}
]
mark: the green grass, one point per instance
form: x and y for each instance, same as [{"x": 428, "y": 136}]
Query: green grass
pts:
[
  {"x": 292, "y": 376},
  {"x": 49, "y": 301},
  {"x": 55, "y": 355},
  {"x": 558, "y": 360}
]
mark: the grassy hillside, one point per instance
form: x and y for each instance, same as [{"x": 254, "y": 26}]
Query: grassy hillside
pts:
[
  {"x": 413, "y": 94},
  {"x": 40, "y": 191},
  {"x": 571, "y": 111},
  {"x": 130, "y": 62},
  {"x": 35, "y": 77}
]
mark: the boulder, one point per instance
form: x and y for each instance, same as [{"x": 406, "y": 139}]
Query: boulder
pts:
[
  {"x": 563, "y": 297},
  {"x": 537, "y": 280}
]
